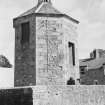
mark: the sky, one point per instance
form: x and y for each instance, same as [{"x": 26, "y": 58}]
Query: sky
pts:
[{"x": 91, "y": 30}]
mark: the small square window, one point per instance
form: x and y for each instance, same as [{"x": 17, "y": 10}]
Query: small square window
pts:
[
  {"x": 95, "y": 82},
  {"x": 82, "y": 71}
]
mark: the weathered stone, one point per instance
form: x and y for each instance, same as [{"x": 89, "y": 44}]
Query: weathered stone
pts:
[
  {"x": 46, "y": 59},
  {"x": 54, "y": 95}
]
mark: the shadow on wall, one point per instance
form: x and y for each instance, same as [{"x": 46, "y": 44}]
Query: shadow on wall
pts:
[{"x": 16, "y": 97}]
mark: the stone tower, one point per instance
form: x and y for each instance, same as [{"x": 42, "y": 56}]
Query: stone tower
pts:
[{"x": 45, "y": 47}]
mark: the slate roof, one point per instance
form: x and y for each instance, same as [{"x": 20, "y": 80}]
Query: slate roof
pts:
[
  {"x": 92, "y": 63},
  {"x": 48, "y": 8},
  {"x": 45, "y": 8},
  {"x": 31, "y": 11},
  {"x": 42, "y": 8}
]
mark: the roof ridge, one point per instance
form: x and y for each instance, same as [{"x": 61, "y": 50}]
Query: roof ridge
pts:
[
  {"x": 28, "y": 12},
  {"x": 40, "y": 7},
  {"x": 45, "y": 8}
]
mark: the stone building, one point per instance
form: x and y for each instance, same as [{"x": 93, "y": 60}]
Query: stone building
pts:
[
  {"x": 45, "y": 58},
  {"x": 92, "y": 70},
  {"x": 45, "y": 47},
  {"x": 46, "y": 53}
]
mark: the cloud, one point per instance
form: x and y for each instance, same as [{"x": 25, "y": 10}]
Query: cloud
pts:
[
  {"x": 65, "y": 6},
  {"x": 6, "y": 78},
  {"x": 91, "y": 36},
  {"x": 17, "y": 3},
  {"x": 93, "y": 9},
  {"x": 7, "y": 33},
  {"x": 91, "y": 14},
  {"x": 96, "y": 11}
]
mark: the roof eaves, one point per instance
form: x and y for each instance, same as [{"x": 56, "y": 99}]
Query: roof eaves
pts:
[
  {"x": 57, "y": 15},
  {"x": 94, "y": 68},
  {"x": 70, "y": 18},
  {"x": 49, "y": 15}
]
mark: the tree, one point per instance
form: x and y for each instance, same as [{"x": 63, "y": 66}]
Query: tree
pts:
[{"x": 4, "y": 62}]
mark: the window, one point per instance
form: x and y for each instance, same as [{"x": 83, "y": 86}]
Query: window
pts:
[
  {"x": 25, "y": 28},
  {"x": 104, "y": 71},
  {"x": 94, "y": 53},
  {"x": 104, "y": 68},
  {"x": 71, "y": 53},
  {"x": 82, "y": 71},
  {"x": 95, "y": 82}
]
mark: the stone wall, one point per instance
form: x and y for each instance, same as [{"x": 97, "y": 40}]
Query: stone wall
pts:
[
  {"x": 49, "y": 51},
  {"x": 45, "y": 59},
  {"x": 72, "y": 95},
  {"x": 16, "y": 96},
  {"x": 70, "y": 35},
  {"x": 93, "y": 75},
  {"x": 24, "y": 55},
  {"x": 52, "y": 56},
  {"x": 54, "y": 95}
]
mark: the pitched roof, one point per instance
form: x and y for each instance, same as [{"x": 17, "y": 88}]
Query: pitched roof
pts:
[
  {"x": 31, "y": 11},
  {"x": 42, "y": 8},
  {"x": 46, "y": 8},
  {"x": 92, "y": 63}
]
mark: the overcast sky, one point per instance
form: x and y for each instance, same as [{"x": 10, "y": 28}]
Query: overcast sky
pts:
[{"x": 90, "y": 13}]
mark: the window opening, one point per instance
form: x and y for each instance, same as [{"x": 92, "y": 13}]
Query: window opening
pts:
[
  {"x": 25, "y": 33},
  {"x": 71, "y": 53}
]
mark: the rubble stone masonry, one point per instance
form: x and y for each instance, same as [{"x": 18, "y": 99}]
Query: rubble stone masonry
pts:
[
  {"x": 24, "y": 74},
  {"x": 54, "y": 95},
  {"x": 71, "y": 95},
  {"x": 45, "y": 59}
]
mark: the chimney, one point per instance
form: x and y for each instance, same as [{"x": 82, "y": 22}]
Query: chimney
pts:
[
  {"x": 41, "y": 1},
  {"x": 93, "y": 54},
  {"x": 97, "y": 53}
]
